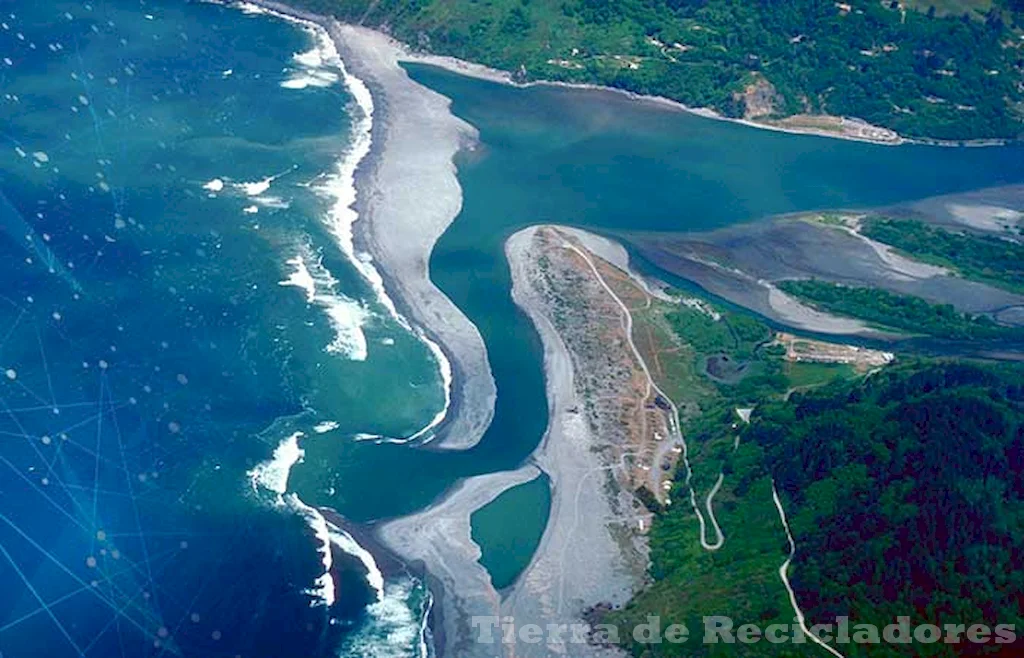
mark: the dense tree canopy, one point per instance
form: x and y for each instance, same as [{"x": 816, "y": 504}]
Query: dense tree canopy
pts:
[
  {"x": 906, "y": 494},
  {"x": 919, "y": 73}
]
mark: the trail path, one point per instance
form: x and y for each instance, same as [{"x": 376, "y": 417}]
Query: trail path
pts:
[
  {"x": 784, "y": 575},
  {"x": 676, "y": 433}
]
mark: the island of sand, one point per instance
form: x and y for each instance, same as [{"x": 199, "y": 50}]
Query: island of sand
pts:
[{"x": 745, "y": 264}]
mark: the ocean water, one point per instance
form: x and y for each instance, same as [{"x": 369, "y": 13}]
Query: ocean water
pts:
[
  {"x": 182, "y": 314},
  {"x": 195, "y": 358}
]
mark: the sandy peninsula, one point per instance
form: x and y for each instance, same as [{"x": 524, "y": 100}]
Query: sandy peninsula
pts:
[
  {"x": 606, "y": 438},
  {"x": 407, "y": 195}
]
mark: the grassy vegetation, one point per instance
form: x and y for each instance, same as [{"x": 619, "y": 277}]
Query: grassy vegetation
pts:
[
  {"x": 921, "y": 73},
  {"x": 985, "y": 258},
  {"x": 806, "y": 374},
  {"x": 865, "y": 468},
  {"x": 741, "y": 579},
  {"x": 900, "y": 312}
]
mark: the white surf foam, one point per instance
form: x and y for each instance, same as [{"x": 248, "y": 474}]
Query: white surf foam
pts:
[
  {"x": 324, "y": 590},
  {"x": 273, "y": 474},
  {"x": 215, "y": 185},
  {"x": 249, "y": 8},
  {"x": 256, "y": 188},
  {"x": 306, "y": 79},
  {"x": 346, "y": 315},
  {"x": 396, "y": 627},
  {"x": 300, "y": 278},
  {"x": 345, "y": 542},
  {"x": 317, "y": 69},
  {"x": 269, "y": 201},
  {"x": 340, "y": 190}
]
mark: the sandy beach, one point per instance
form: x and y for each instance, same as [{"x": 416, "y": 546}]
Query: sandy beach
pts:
[
  {"x": 590, "y": 552},
  {"x": 407, "y": 195}
]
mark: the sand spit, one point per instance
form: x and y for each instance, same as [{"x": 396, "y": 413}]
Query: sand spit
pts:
[
  {"x": 407, "y": 195},
  {"x": 591, "y": 551},
  {"x": 439, "y": 538}
]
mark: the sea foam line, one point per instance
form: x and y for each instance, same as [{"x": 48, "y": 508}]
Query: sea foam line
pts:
[
  {"x": 345, "y": 542},
  {"x": 272, "y": 475},
  {"x": 324, "y": 590},
  {"x": 340, "y": 189}
]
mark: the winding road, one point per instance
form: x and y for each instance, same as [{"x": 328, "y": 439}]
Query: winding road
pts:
[
  {"x": 784, "y": 575},
  {"x": 627, "y": 326},
  {"x": 676, "y": 433}
]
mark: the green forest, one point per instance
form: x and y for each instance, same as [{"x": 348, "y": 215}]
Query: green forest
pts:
[
  {"x": 904, "y": 493},
  {"x": 919, "y": 71},
  {"x": 987, "y": 258},
  {"x": 903, "y": 313}
]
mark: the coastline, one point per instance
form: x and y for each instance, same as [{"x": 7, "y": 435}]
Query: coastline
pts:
[
  {"x": 406, "y": 196},
  {"x": 886, "y": 136},
  {"x": 591, "y": 552},
  {"x": 414, "y": 140},
  {"x": 484, "y": 72}
]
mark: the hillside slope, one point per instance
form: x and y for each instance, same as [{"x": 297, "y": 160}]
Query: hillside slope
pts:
[{"x": 929, "y": 73}]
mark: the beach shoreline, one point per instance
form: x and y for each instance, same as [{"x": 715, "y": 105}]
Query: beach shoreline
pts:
[
  {"x": 886, "y": 137},
  {"x": 406, "y": 196},
  {"x": 590, "y": 553}
]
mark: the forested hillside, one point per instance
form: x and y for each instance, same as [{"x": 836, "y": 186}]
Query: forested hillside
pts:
[
  {"x": 905, "y": 496},
  {"x": 949, "y": 72}
]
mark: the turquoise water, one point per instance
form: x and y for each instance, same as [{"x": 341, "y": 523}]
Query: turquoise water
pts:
[
  {"x": 180, "y": 316},
  {"x": 510, "y": 546},
  {"x": 601, "y": 161},
  {"x": 174, "y": 305}
]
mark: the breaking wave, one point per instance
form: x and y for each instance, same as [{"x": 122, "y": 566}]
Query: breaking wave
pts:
[{"x": 346, "y": 315}]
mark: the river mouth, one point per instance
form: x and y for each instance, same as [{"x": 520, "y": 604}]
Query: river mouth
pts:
[
  {"x": 194, "y": 354},
  {"x": 600, "y": 161}
]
